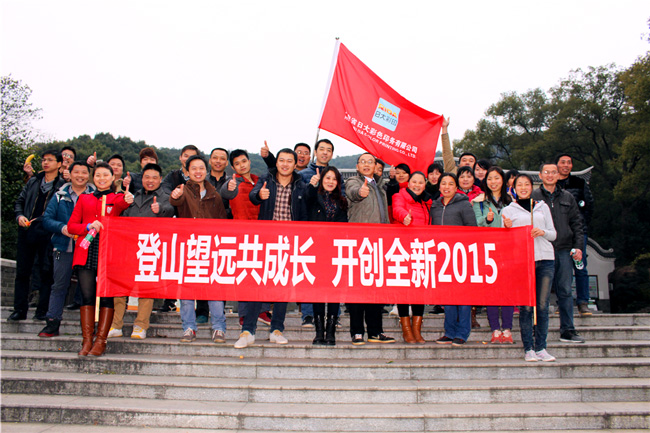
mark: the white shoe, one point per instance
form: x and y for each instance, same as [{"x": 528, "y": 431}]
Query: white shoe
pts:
[
  {"x": 114, "y": 333},
  {"x": 139, "y": 333},
  {"x": 394, "y": 311},
  {"x": 543, "y": 355},
  {"x": 276, "y": 337},
  {"x": 245, "y": 340},
  {"x": 531, "y": 356}
]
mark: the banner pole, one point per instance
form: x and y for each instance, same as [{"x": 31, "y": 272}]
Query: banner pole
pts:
[{"x": 97, "y": 297}]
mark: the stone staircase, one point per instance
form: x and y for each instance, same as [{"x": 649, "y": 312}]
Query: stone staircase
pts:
[{"x": 165, "y": 385}]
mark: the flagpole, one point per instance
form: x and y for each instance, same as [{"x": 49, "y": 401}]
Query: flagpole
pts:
[
  {"x": 532, "y": 223},
  {"x": 335, "y": 57}
]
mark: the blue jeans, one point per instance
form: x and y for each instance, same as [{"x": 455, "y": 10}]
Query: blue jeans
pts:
[
  {"x": 217, "y": 316},
  {"x": 241, "y": 309},
  {"x": 458, "y": 321},
  {"x": 562, "y": 284},
  {"x": 582, "y": 278},
  {"x": 253, "y": 310},
  {"x": 307, "y": 310},
  {"x": 534, "y": 337},
  {"x": 62, "y": 263}
]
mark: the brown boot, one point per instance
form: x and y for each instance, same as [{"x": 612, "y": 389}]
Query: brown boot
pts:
[
  {"x": 407, "y": 332},
  {"x": 417, "y": 329},
  {"x": 87, "y": 313},
  {"x": 475, "y": 323},
  {"x": 105, "y": 321}
]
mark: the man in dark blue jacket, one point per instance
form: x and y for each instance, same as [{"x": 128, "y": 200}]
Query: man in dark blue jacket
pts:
[
  {"x": 280, "y": 193},
  {"x": 55, "y": 220},
  {"x": 33, "y": 239}
]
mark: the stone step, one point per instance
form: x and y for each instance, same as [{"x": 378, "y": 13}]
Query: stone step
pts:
[
  {"x": 429, "y": 332},
  {"x": 318, "y": 391},
  {"x": 322, "y": 417},
  {"x": 262, "y": 348},
  {"x": 79, "y": 428},
  {"x": 250, "y": 365},
  {"x": 434, "y": 320}
]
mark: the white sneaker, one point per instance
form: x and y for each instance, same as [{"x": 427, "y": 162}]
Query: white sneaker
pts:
[
  {"x": 114, "y": 333},
  {"x": 139, "y": 333},
  {"x": 245, "y": 340},
  {"x": 543, "y": 355},
  {"x": 394, "y": 311},
  {"x": 531, "y": 356},
  {"x": 276, "y": 337}
]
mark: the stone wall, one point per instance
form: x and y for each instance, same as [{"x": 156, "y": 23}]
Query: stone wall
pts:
[{"x": 7, "y": 278}]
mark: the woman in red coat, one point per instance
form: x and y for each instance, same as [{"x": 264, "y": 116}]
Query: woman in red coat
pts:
[
  {"x": 411, "y": 207},
  {"x": 85, "y": 217}
]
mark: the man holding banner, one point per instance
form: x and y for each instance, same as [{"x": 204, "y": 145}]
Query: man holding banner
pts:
[
  {"x": 281, "y": 196},
  {"x": 368, "y": 204}
]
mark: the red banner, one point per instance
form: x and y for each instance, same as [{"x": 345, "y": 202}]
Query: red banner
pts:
[
  {"x": 179, "y": 258},
  {"x": 363, "y": 109}
]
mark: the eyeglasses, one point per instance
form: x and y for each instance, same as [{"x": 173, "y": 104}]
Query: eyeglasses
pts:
[
  {"x": 302, "y": 152},
  {"x": 367, "y": 161},
  {"x": 68, "y": 155},
  {"x": 49, "y": 160},
  {"x": 549, "y": 172}
]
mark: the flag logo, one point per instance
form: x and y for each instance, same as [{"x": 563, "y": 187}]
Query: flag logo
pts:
[{"x": 386, "y": 115}]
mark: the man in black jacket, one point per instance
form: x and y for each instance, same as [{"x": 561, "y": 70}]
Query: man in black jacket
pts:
[
  {"x": 33, "y": 239},
  {"x": 280, "y": 193},
  {"x": 580, "y": 190},
  {"x": 568, "y": 245}
]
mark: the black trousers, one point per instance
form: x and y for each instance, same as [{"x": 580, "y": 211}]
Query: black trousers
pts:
[
  {"x": 32, "y": 243},
  {"x": 371, "y": 313}
]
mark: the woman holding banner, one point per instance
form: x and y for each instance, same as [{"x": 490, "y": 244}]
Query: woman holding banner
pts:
[
  {"x": 325, "y": 202},
  {"x": 453, "y": 209},
  {"x": 525, "y": 211},
  {"x": 488, "y": 214},
  {"x": 411, "y": 207},
  {"x": 84, "y": 222}
]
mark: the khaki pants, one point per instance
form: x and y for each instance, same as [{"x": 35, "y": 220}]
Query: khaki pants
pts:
[{"x": 144, "y": 312}]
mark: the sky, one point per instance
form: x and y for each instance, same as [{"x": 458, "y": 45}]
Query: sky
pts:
[{"x": 235, "y": 73}]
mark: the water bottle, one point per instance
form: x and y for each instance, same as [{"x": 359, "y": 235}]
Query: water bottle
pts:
[
  {"x": 578, "y": 263},
  {"x": 85, "y": 243}
]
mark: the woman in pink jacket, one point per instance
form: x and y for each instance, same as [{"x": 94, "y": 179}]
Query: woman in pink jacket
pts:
[{"x": 411, "y": 207}]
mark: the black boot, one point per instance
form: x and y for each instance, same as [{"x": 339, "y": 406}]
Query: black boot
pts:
[
  {"x": 319, "y": 324},
  {"x": 330, "y": 331},
  {"x": 51, "y": 329}
]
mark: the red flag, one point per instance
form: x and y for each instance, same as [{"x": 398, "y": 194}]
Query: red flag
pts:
[{"x": 363, "y": 109}]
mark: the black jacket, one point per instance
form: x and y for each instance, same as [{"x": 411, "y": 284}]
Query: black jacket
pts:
[
  {"x": 581, "y": 192},
  {"x": 217, "y": 184},
  {"x": 458, "y": 212},
  {"x": 27, "y": 199},
  {"x": 298, "y": 199},
  {"x": 566, "y": 217},
  {"x": 316, "y": 207}
]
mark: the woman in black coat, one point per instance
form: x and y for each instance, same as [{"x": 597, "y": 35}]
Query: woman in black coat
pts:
[{"x": 325, "y": 202}]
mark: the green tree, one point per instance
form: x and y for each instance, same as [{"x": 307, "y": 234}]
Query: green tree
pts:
[
  {"x": 17, "y": 140},
  {"x": 601, "y": 117},
  {"x": 18, "y": 113}
]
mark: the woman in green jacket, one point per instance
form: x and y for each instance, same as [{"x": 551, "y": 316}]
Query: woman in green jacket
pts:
[{"x": 488, "y": 214}]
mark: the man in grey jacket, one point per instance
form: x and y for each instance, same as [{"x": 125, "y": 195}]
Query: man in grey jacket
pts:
[
  {"x": 367, "y": 204},
  {"x": 568, "y": 245}
]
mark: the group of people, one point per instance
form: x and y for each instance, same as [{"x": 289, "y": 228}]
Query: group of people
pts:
[{"x": 59, "y": 216}]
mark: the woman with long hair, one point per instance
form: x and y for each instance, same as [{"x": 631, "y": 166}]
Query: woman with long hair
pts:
[
  {"x": 522, "y": 212},
  {"x": 325, "y": 202},
  {"x": 453, "y": 209},
  {"x": 488, "y": 214},
  {"x": 411, "y": 207},
  {"x": 84, "y": 220}
]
